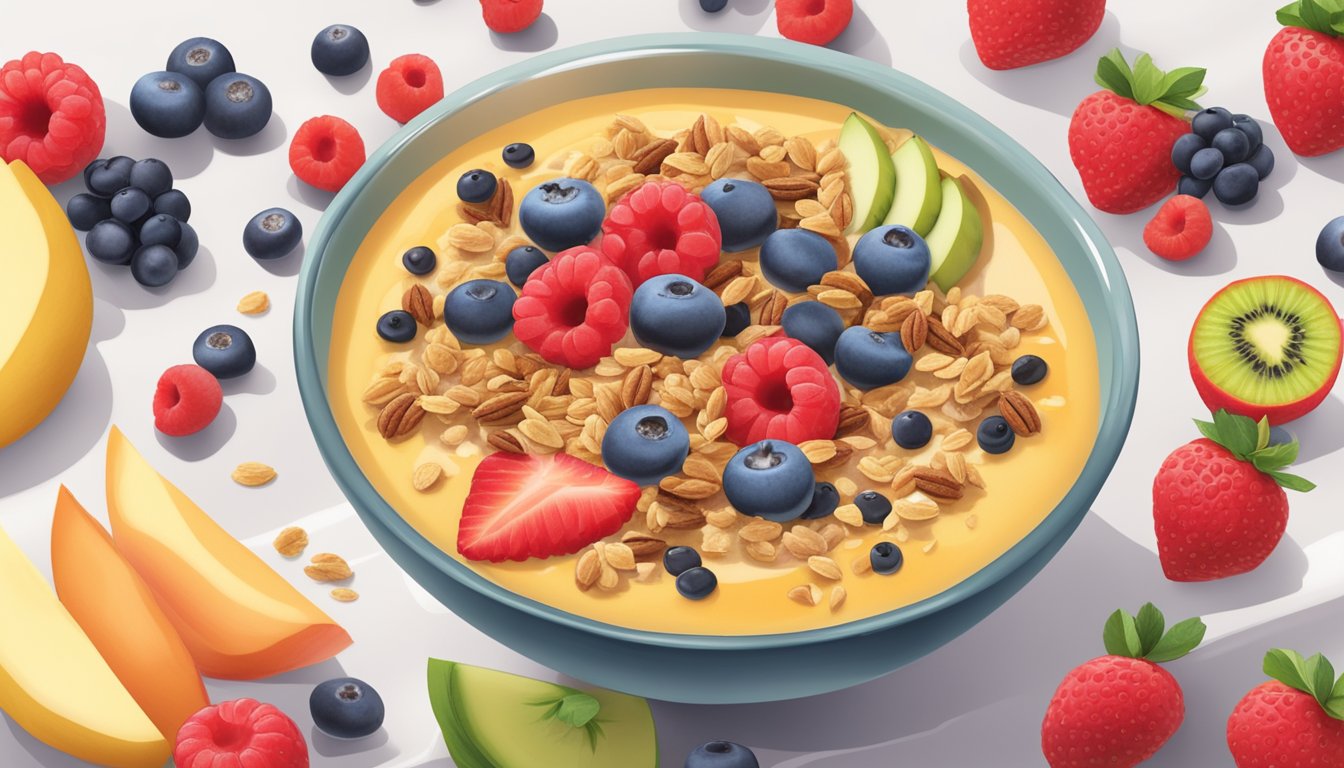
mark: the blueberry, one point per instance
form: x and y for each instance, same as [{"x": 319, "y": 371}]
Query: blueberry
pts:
[
  {"x": 745, "y": 210},
  {"x": 225, "y": 351},
  {"x": 770, "y": 479},
  {"x": 720, "y": 754},
  {"x": 200, "y": 59},
  {"x": 713, "y": 6},
  {"x": 111, "y": 242},
  {"x": 825, "y": 498},
  {"x": 1262, "y": 160},
  {"x": 1029, "y": 369},
  {"x": 1236, "y": 184},
  {"x": 678, "y": 560},
  {"x": 130, "y": 205},
  {"x": 1330, "y": 246},
  {"x": 911, "y": 430},
  {"x": 737, "y": 318},
  {"x": 1184, "y": 149},
  {"x": 167, "y": 105},
  {"x": 1209, "y": 122},
  {"x": 519, "y": 155},
  {"x": 346, "y": 708},
  {"x": 1251, "y": 127},
  {"x": 187, "y": 245},
  {"x": 886, "y": 558},
  {"x": 874, "y": 506},
  {"x": 793, "y": 259},
  {"x": 112, "y": 176},
  {"x": 340, "y": 50},
  {"x": 522, "y": 262},
  {"x": 236, "y": 106},
  {"x": 561, "y": 214},
  {"x": 1189, "y": 185},
  {"x": 174, "y": 202},
  {"x": 1234, "y": 145},
  {"x": 476, "y": 186},
  {"x": 151, "y": 176},
  {"x": 94, "y": 166},
  {"x": 154, "y": 265},
  {"x": 161, "y": 229},
  {"x": 675, "y": 315},
  {"x": 868, "y": 360},
  {"x": 892, "y": 260},
  {"x": 480, "y": 311},
  {"x": 697, "y": 583},
  {"x": 272, "y": 233},
  {"x": 995, "y": 436},
  {"x": 644, "y": 444},
  {"x": 419, "y": 260},
  {"x": 397, "y": 326},
  {"x": 85, "y": 210},
  {"x": 1206, "y": 163},
  {"x": 816, "y": 325}
]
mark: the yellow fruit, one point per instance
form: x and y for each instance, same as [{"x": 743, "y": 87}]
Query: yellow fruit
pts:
[
  {"x": 46, "y": 302},
  {"x": 54, "y": 683}
]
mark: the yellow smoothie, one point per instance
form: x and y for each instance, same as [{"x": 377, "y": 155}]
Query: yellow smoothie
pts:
[{"x": 753, "y": 597}]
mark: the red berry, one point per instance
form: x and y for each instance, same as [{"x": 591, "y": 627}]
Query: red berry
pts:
[
  {"x": 1018, "y": 33},
  {"x": 1111, "y": 711},
  {"x": 1275, "y": 726},
  {"x": 51, "y": 116},
  {"x": 506, "y": 16},
  {"x": 574, "y": 308},
  {"x": 187, "y": 399},
  {"x": 523, "y": 506},
  {"x": 242, "y": 733},
  {"x": 408, "y": 86},
  {"x": 1303, "y": 71},
  {"x": 1181, "y": 228},
  {"x": 325, "y": 152},
  {"x": 813, "y": 21},
  {"x": 780, "y": 389},
  {"x": 1123, "y": 152},
  {"x": 661, "y": 229}
]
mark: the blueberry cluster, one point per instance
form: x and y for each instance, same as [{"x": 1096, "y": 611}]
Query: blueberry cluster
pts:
[
  {"x": 134, "y": 217},
  {"x": 1225, "y": 153},
  {"x": 200, "y": 85}
]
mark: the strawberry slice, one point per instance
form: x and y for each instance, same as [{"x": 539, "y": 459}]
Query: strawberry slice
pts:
[{"x": 523, "y": 506}]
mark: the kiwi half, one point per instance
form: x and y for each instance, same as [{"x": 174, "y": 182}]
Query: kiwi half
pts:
[{"x": 1267, "y": 341}]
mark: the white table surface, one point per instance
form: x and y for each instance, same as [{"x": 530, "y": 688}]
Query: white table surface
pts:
[{"x": 979, "y": 700}]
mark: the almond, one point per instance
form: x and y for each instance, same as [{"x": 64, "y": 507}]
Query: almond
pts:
[
  {"x": 588, "y": 569},
  {"x": 291, "y": 541},
  {"x": 254, "y": 303},
  {"x": 344, "y": 595},
  {"x": 825, "y": 567},
  {"x": 253, "y": 474},
  {"x": 1020, "y": 414},
  {"x": 643, "y": 545},
  {"x": 419, "y": 304},
  {"x": 782, "y": 187},
  {"x": 328, "y": 567},
  {"x": 425, "y": 476}
]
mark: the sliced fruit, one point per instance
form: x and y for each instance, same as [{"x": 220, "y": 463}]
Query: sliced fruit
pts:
[
  {"x": 1265, "y": 346},
  {"x": 239, "y": 618},
  {"x": 118, "y": 612},
  {"x": 494, "y": 719},
  {"x": 872, "y": 177},
  {"x": 955, "y": 240},
  {"x": 56, "y": 686},
  {"x": 919, "y": 191},
  {"x": 46, "y": 302},
  {"x": 523, "y": 506}
]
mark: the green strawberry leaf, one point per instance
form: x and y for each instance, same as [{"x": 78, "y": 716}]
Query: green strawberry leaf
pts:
[
  {"x": 1149, "y": 624},
  {"x": 1146, "y": 84},
  {"x": 1274, "y": 457},
  {"x": 1238, "y": 433},
  {"x": 1292, "y": 482},
  {"x": 1113, "y": 74},
  {"x": 1248, "y": 440},
  {"x": 1121, "y": 636},
  {"x": 1207, "y": 429},
  {"x": 1262, "y": 435},
  {"x": 1314, "y": 676},
  {"x": 1334, "y": 707},
  {"x": 1322, "y": 677},
  {"x": 1141, "y": 637},
  {"x": 1183, "y": 82},
  {"x": 1325, "y": 16},
  {"x": 1288, "y": 667},
  {"x": 1181, "y": 639}
]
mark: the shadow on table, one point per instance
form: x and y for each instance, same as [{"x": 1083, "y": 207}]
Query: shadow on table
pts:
[
  {"x": 541, "y": 35},
  {"x": 862, "y": 38},
  {"x": 745, "y": 17}
]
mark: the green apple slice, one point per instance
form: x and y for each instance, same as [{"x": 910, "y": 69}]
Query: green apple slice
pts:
[
  {"x": 493, "y": 719},
  {"x": 955, "y": 240},
  {"x": 919, "y": 195},
  {"x": 872, "y": 177}
]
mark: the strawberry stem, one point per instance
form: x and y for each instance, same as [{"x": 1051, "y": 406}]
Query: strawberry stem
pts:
[
  {"x": 1324, "y": 16},
  {"x": 1172, "y": 92},
  {"x": 1248, "y": 441},
  {"x": 1313, "y": 676},
  {"x": 1142, "y": 636}
]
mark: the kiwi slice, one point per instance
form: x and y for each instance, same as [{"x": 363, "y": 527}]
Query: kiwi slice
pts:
[{"x": 1267, "y": 341}]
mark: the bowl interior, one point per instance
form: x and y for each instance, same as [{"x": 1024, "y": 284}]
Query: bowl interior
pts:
[{"x": 724, "y": 61}]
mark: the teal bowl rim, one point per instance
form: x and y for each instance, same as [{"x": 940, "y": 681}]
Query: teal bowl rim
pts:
[{"x": 1116, "y": 411}]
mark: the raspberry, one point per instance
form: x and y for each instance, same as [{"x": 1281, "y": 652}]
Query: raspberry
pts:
[
  {"x": 408, "y": 86},
  {"x": 187, "y": 399},
  {"x": 574, "y": 309},
  {"x": 243, "y": 732},
  {"x": 51, "y": 116},
  {"x": 326, "y": 152},
  {"x": 506, "y": 16},
  {"x": 813, "y": 21},
  {"x": 780, "y": 389},
  {"x": 661, "y": 229},
  {"x": 1181, "y": 228}
]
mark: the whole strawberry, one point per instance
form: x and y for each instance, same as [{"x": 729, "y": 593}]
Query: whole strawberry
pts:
[
  {"x": 1018, "y": 33},
  {"x": 1218, "y": 502},
  {"x": 1120, "y": 138},
  {"x": 1118, "y": 710},
  {"x": 1303, "y": 69},
  {"x": 1296, "y": 720}
]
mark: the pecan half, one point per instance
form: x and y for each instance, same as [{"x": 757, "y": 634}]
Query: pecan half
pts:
[
  {"x": 772, "y": 311},
  {"x": 937, "y": 483},
  {"x": 852, "y": 419},
  {"x": 505, "y": 441},
  {"x": 637, "y": 387},
  {"x": 649, "y": 158},
  {"x": 643, "y": 545},
  {"x": 942, "y": 340},
  {"x": 789, "y": 187},
  {"x": 722, "y": 274},
  {"x": 914, "y": 332},
  {"x": 400, "y": 416},
  {"x": 1020, "y": 414},
  {"x": 417, "y": 301},
  {"x": 500, "y": 407}
]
